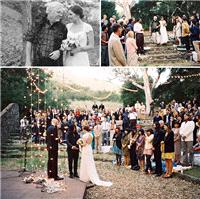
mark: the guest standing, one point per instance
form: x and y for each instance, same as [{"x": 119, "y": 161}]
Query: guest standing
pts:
[
  {"x": 140, "y": 148},
  {"x": 185, "y": 33},
  {"x": 158, "y": 138},
  {"x": 148, "y": 150},
  {"x": 117, "y": 146},
  {"x": 139, "y": 31},
  {"x": 177, "y": 142},
  {"x": 104, "y": 46},
  {"x": 115, "y": 49},
  {"x": 125, "y": 143},
  {"x": 133, "y": 154},
  {"x": 132, "y": 57},
  {"x": 168, "y": 152},
  {"x": 186, "y": 132}
]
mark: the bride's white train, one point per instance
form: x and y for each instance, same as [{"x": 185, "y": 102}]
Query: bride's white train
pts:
[{"x": 88, "y": 170}]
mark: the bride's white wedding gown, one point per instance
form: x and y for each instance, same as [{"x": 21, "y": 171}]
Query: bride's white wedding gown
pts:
[
  {"x": 80, "y": 58},
  {"x": 163, "y": 32},
  {"x": 88, "y": 170}
]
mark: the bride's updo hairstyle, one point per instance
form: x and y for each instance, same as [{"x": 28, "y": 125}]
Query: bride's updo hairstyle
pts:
[
  {"x": 86, "y": 128},
  {"x": 77, "y": 10}
]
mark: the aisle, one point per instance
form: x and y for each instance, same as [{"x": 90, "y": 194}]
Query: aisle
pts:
[
  {"x": 164, "y": 55},
  {"x": 136, "y": 185}
]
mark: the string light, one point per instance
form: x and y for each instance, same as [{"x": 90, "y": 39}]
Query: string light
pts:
[{"x": 185, "y": 76}]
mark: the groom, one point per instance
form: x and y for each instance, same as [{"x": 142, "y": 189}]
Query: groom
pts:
[
  {"x": 72, "y": 150},
  {"x": 45, "y": 38}
]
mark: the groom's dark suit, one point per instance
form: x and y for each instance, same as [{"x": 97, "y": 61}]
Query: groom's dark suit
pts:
[{"x": 73, "y": 154}]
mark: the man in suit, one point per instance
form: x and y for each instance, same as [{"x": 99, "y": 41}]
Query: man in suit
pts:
[
  {"x": 72, "y": 150},
  {"x": 115, "y": 49},
  {"x": 52, "y": 147},
  {"x": 167, "y": 117}
]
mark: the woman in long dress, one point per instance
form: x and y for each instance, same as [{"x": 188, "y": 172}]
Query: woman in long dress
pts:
[
  {"x": 163, "y": 31},
  {"x": 88, "y": 170},
  {"x": 83, "y": 35},
  {"x": 132, "y": 57}
]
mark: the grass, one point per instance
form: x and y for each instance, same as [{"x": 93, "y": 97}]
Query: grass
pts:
[{"x": 195, "y": 172}]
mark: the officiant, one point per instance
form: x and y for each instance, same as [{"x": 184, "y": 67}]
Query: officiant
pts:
[
  {"x": 52, "y": 148},
  {"x": 72, "y": 150}
]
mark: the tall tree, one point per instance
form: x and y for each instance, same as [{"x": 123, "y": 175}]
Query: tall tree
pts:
[{"x": 148, "y": 84}]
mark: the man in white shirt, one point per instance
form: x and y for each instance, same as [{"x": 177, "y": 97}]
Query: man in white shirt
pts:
[
  {"x": 186, "y": 132},
  {"x": 133, "y": 118},
  {"x": 139, "y": 31},
  {"x": 98, "y": 135},
  {"x": 115, "y": 49},
  {"x": 105, "y": 132}
]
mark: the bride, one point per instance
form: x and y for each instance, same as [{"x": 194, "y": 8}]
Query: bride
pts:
[
  {"x": 163, "y": 31},
  {"x": 81, "y": 35},
  {"x": 88, "y": 170}
]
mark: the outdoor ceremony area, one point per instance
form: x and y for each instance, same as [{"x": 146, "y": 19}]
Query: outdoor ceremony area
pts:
[
  {"x": 151, "y": 33},
  {"x": 143, "y": 128}
]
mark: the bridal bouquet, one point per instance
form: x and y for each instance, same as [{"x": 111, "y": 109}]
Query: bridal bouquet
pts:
[
  {"x": 69, "y": 45},
  {"x": 80, "y": 142}
]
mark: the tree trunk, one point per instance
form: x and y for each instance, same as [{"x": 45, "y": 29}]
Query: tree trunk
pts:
[{"x": 147, "y": 90}]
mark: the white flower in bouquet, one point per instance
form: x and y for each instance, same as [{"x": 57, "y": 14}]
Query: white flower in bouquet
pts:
[{"x": 70, "y": 44}]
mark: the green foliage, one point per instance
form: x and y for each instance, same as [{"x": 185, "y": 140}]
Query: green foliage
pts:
[
  {"x": 130, "y": 98},
  {"x": 108, "y": 8},
  {"x": 179, "y": 89},
  {"x": 147, "y": 9},
  {"x": 13, "y": 87}
]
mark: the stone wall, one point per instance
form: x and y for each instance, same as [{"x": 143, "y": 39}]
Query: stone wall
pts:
[
  {"x": 9, "y": 121},
  {"x": 14, "y": 23}
]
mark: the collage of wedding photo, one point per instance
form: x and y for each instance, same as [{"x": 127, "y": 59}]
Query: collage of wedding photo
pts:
[{"x": 100, "y": 99}]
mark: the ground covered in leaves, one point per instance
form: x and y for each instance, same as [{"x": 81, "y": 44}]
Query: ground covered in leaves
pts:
[{"x": 136, "y": 185}]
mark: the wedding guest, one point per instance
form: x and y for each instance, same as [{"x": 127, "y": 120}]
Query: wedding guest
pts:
[
  {"x": 125, "y": 149},
  {"x": 196, "y": 45},
  {"x": 132, "y": 57},
  {"x": 98, "y": 136},
  {"x": 155, "y": 30},
  {"x": 139, "y": 31},
  {"x": 133, "y": 118},
  {"x": 158, "y": 138},
  {"x": 105, "y": 132},
  {"x": 194, "y": 32},
  {"x": 41, "y": 40},
  {"x": 185, "y": 33},
  {"x": 52, "y": 148},
  {"x": 104, "y": 46},
  {"x": 112, "y": 129},
  {"x": 140, "y": 148},
  {"x": 148, "y": 150},
  {"x": 119, "y": 122},
  {"x": 157, "y": 118},
  {"x": 177, "y": 143},
  {"x": 72, "y": 150},
  {"x": 133, "y": 154},
  {"x": 186, "y": 132},
  {"x": 168, "y": 152},
  {"x": 177, "y": 30},
  {"x": 104, "y": 21},
  {"x": 115, "y": 49},
  {"x": 142, "y": 111},
  {"x": 117, "y": 146}
]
